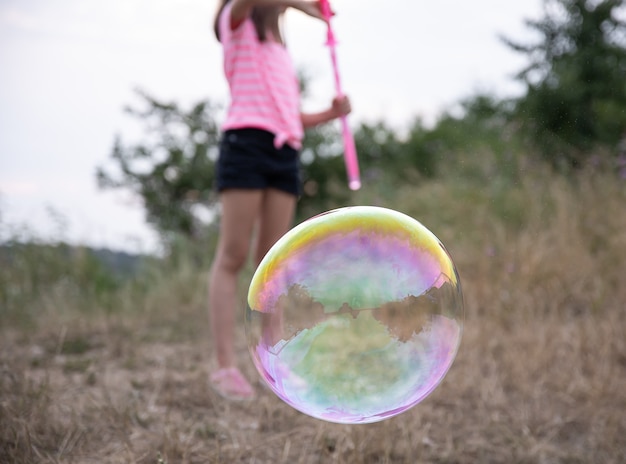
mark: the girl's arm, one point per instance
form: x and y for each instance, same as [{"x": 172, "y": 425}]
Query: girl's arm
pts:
[
  {"x": 241, "y": 8},
  {"x": 340, "y": 107}
]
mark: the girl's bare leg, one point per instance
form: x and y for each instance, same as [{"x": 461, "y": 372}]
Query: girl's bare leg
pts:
[
  {"x": 240, "y": 210},
  {"x": 275, "y": 219},
  {"x": 277, "y": 212}
]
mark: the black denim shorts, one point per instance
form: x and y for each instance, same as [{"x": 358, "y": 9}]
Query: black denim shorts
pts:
[{"x": 248, "y": 159}]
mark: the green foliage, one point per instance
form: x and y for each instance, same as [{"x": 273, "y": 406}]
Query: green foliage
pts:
[
  {"x": 36, "y": 277},
  {"x": 576, "y": 91},
  {"x": 172, "y": 170},
  {"x": 42, "y": 280},
  {"x": 379, "y": 148},
  {"x": 469, "y": 209},
  {"x": 453, "y": 146}
]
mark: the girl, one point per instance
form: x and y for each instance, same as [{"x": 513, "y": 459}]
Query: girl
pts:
[{"x": 258, "y": 166}]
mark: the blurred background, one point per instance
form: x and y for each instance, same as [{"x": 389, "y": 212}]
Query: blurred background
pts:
[{"x": 69, "y": 68}]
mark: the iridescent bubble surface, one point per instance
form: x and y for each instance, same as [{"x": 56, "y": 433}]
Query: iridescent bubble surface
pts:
[{"x": 355, "y": 315}]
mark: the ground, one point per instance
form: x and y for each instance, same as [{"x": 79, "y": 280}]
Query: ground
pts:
[{"x": 125, "y": 390}]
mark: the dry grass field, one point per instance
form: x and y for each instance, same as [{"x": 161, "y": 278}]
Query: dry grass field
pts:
[{"x": 540, "y": 376}]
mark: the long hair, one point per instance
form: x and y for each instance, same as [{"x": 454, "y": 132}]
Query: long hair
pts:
[{"x": 261, "y": 18}]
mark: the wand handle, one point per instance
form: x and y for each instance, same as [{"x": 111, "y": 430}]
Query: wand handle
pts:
[
  {"x": 350, "y": 155},
  {"x": 350, "y": 158}
]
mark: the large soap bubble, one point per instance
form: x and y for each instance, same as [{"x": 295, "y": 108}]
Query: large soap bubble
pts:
[{"x": 355, "y": 315}]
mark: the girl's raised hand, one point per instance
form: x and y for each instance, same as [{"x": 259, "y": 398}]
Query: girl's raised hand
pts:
[
  {"x": 309, "y": 7},
  {"x": 341, "y": 106}
]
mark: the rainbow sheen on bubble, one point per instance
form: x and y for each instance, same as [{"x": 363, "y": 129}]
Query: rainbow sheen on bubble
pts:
[{"x": 355, "y": 315}]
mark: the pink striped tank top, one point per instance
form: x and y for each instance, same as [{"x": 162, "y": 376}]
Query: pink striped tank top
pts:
[{"x": 264, "y": 88}]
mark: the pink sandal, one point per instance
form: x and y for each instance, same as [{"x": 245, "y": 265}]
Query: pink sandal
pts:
[{"x": 230, "y": 383}]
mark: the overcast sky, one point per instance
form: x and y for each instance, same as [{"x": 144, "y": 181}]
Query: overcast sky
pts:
[{"x": 68, "y": 67}]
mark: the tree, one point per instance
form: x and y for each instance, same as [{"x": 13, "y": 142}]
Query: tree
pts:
[
  {"x": 173, "y": 170},
  {"x": 576, "y": 89}
]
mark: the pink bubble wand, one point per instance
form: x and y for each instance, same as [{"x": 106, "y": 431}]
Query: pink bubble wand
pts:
[{"x": 350, "y": 157}]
